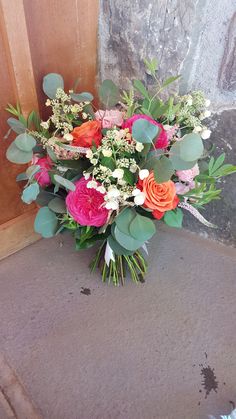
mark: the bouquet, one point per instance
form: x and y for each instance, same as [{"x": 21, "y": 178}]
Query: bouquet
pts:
[{"x": 107, "y": 175}]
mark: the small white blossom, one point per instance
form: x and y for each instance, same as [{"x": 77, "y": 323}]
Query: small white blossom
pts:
[
  {"x": 94, "y": 161},
  {"x": 107, "y": 153},
  {"x": 207, "y": 114},
  {"x": 133, "y": 168},
  {"x": 68, "y": 137},
  {"x": 45, "y": 124},
  {"x": 198, "y": 128},
  {"x": 121, "y": 182},
  {"x": 84, "y": 115},
  {"x": 86, "y": 176},
  {"x": 101, "y": 189},
  {"x": 189, "y": 101},
  {"x": 48, "y": 102},
  {"x": 92, "y": 184},
  {"x": 207, "y": 103},
  {"x": 205, "y": 134},
  {"x": 113, "y": 193},
  {"x": 112, "y": 205},
  {"x": 136, "y": 192},
  {"x": 139, "y": 147},
  {"x": 89, "y": 154},
  {"x": 143, "y": 174},
  {"x": 118, "y": 173},
  {"x": 140, "y": 198}
]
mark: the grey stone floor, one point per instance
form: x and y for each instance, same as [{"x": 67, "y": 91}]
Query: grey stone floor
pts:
[{"x": 165, "y": 349}]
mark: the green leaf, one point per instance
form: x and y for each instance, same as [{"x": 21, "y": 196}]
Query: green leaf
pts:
[
  {"x": 45, "y": 222},
  {"x": 191, "y": 147},
  {"x": 142, "y": 228},
  {"x": 51, "y": 154},
  {"x": 108, "y": 162},
  {"x": 117, "y": 248},
  {"x": 82, "y": 97},
  {"x": 144, "y": 131},
  {"x": 124, "y": 219},
  {"x": 141, "y": 88},
  {"x": 177, "y": 162},
  {"x": 57, "y": 205},
  {"x": 15, "y": 155},
  {"x": 21, "y": 176},
  {"x": 174, "y": 218},
  {"x": 170, "y": 80},
  {"x": 52, "y": 82},
  {"x": 163, "y": 169},
  {"x": 127, "y": 241},
  {"x": 215, "y": 164},
  {"x": 16, "y": 125},
  {"x": 109, "y": 93},
  {"x": 30, "y": 193},
  {"x": 25, "y": 142},
  {"x": 44, "y": 197},
  {"x": 128, "y": 176},
  {"x": 32, "y": 170},
  {"x": 64, "y": 182}
]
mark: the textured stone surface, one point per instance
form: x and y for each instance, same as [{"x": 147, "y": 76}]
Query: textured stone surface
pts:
[
  {"x": 223, "y": 212},
  {"x": 227, "y": 73},
  {"x": 139, "y": 352}
]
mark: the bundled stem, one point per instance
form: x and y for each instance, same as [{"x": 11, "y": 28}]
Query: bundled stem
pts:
[{"x": 135, "y": 265}]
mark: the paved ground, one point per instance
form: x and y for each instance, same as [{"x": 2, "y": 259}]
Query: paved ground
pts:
[{"x": 162, "y": 350}]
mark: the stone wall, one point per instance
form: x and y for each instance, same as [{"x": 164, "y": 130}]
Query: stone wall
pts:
[{"x": 196, "y": 38}]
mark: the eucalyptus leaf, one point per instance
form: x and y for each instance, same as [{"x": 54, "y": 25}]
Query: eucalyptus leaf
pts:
[
  {"x": 127, "y": 241},
  {"x": 51, "y": 154},
  {"x": 52, "y": 82},
  {"x": 82, "y": 97},
  {"x": 16, "y": 125},
  {"x": 117, "y": 248},
  {"x": 32, "y": 170},
  {"x": 44, "y": 197},
  {"x": 142, "y": 228},
  {"x": 64, "y": 182},
  {"x": 46, "y": 222},
  {"x": 25, "y": 142},
  {"x": 15, "y": 155},
  {"x": 30, "y": 193},
  {"x": 21, "y": 176},
  {"x": 163, "y": 169},
  {"x": 109, "y": 93},
  {"x": 144, "y": 131},
  {"x": 124, "y": 219},
  {"x": 177, "y": 162},
  {"x": 174, "y": 218},
  {"x": 57, "y": 205},
  {"x": 191, "y": 147}
]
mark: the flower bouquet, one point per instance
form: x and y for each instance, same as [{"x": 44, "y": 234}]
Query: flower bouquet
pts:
[{"x": 106, "y": 175}]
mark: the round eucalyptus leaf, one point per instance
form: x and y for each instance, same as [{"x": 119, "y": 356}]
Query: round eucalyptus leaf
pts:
[
  {"x": 191, "y": 147},
  {"x": 177, "y": 162},
  {"x": 124, "y": 219},
  {"x": 15, "y": 155},
  {"x": 52, "y": 82},
  {"x": 144, "y": 131},
  {"x": 82, "y": 97},
  {"x": 30, "y": 193},
  {"x": 64, "y": 182},
  {"x": 46, "y": 222},
  {"x": 117, "y": 248},
  {"x": 25, "y": 142},
  {"x": 109, "y": 93},
  {"x": 142, "y": 228},
  {"x": 57, "y": 205},
  {"x": 174, "y": 218},
  {"x": 127, "y": 241},
  {"x": 16, "y": 125},
  {"x": 163, "y": 169}
]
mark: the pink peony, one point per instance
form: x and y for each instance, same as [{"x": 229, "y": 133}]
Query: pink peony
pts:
[
  {"x": 42, "y": 176},
  {"x": 188, "y": 175},
  {"x": 161, "y": 141},
  {"x": 85, "y": 205},
  {"x": 109, "y": 119}
]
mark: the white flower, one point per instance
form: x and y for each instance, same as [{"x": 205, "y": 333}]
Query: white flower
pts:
[
  {"x": 136, "y": 192},
  {"x": 48, "y": 102},
  {"x": 101, "y": 189},
  {"x": 86, "y": 176},
  {"x": 45, "y": 124},
  {"x": 143, "y": 174},
  {"x": 92, "y": 184},
  {"x": 189, "y": 101},
  {"x": 139, "y": 199},
  {"x": 205, "y": 134},
  {"x": 207, "y": 103},
  {"x": 118, "y": 173},
  {"x": 84, "y": 115},
  {"x": 112, "y": 205},
  {"x": 94, "y": 161},
  {"x": 113, "y": 193},
  {"x": 139, "y": 147},
  {"x": 198, "y": 129},
  {"x": 68, "y": 137},
  {"x": 89, "y": 154},
  {"x": 207, "y": 114},
  {"x": 121, "y": 182},
  {"x": 133, "y": 168},
  {"x": 107, "y": 153}
]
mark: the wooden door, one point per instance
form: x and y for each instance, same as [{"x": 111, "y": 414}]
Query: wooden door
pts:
[{"x": 38, "y": 37}]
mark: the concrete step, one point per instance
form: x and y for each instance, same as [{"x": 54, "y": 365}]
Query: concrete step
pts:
[{"x": 160, "y": 350}]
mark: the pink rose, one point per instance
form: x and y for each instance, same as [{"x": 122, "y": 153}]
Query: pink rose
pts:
[
  {"x": 42, "y": 176},
  {"x": 188, "y": 175},
  {"x": 109, "y": 119},
  {"x": 161, "y": 140},
  {"x": 85, "y": 205}
]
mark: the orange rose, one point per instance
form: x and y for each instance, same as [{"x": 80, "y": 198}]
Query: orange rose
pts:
[
  {"x": 87, "y": 135},
  {"x": 160, "y": 197}
]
